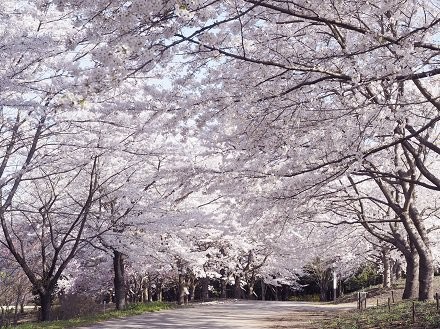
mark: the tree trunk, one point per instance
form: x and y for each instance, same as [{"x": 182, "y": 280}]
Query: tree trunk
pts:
[
  {"x": 251, "y": 294},
  {"x": 192, "y": 291},
  {"x": 263, "y": 290},
  {"x": 397, "y": 270},
  {"x": 181, "y": 290},
  {"x": 277, "y": 298},
  {"x": 426, "y": 276},
  {"x": 412, "y": 276},
  {"x": 386, "y": 268},
  {"x": 119, "y": 280},
  {"x": 145, "y": 295},
  {"x": 159, "y": 290},
  {"x": 237, "y": 287},
  {"x": 223, "y": 288},
  {"x": 191, "y": 287},
  {"x": 45, "y": 304},
  {"x": 419, "y": 237},
  {"x": 205, "y": 289},
  {"x": 17, "y": 303}
]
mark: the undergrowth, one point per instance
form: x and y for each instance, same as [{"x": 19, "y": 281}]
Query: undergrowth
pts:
[{"x": 399, "y": 316}]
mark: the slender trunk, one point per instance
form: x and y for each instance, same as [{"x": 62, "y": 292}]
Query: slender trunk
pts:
[
  {"x": 205, "y": 289},
  {"x": 412, "y": 275},
  {"x": 145, "y": 295},
  {"x": 397, "y": 270},
  {"x": 159, "y": 290},
  {"x": 17, "y": 303},
  {"x": 251, "y": 293},
  {"x": 251, "y": 285},
  {"x": 181, "y": 290},
  {"x": 386, "y": 268},
  {"x": 149, "y": 291},
  {"x": 119, "y": 280},
  {"x": 192, "y": 291},
  {"x": 237, "y": 287},
  {"x": 223, "y": 288},
  {"x": 263, "y": 290},
  {"x": 22, "y": 306}
]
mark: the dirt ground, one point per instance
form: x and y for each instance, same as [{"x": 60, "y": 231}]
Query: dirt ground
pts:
[
  {"x": 233, "y": 315},
  {"x": 300, "y": 320}
]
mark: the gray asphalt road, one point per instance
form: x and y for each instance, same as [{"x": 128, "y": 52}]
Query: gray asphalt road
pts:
[{"x": 236, "y": 315}]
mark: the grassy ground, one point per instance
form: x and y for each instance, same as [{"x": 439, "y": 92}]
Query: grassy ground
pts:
[
  {"x": 134, "y": 309},
  {"x": 399, "y": 316}
]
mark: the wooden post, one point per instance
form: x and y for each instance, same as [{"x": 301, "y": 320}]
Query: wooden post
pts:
[
  {"x": 392, "y": 295},
  {"x": 377, "y": 302},
  {"x": 389, "y": 304},
  {"x": 436, "y": 299},
  {"x": 362, "y": 300}
]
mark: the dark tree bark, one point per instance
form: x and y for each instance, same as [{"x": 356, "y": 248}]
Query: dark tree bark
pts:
[
  {"x": 263, "y": 290},
  {"x": 237, "y": 288},
  {"x": 426, "y": 276},
  {"x": 119, "y": 280},
  {"x": 412, "y": 276},
  {"x": 223, "y": 293},
  {"x": 45, "y": 304},
  {"x": 205, "y": 289},
  {"x": 181, "y": 290},
  {"x": 159, "y": 290}
]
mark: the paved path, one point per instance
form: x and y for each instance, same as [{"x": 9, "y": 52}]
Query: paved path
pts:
[{"x": 236, "y": 315}]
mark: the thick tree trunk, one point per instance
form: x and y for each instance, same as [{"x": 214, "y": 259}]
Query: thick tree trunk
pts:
[
  {"x": 419, "y": 238},
  {"x": 45, "y": 304},
  {"x": 119, "y": 280},
  {"x": 426, "y": 276},
  {"x": 412, "y": 276}
]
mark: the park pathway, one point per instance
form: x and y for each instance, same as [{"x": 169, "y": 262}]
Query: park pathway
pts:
[{"x": 230, "y": 315}]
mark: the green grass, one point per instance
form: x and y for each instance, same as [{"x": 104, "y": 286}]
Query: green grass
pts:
[
  {"x": 305, "y": 298},
  {"x": 133, "y": 309},
  {"x": 398, "y": 317}
]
